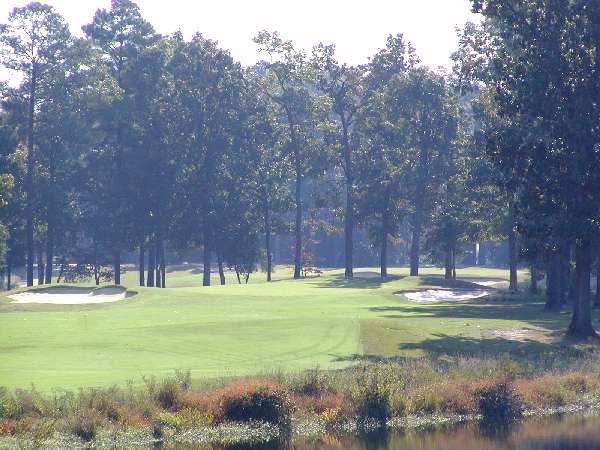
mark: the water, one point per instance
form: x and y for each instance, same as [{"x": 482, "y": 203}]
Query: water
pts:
[{"x": 573, "y": 432}]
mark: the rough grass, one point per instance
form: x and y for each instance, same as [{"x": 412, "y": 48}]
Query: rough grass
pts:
[
  {"x": 259, "y": 329},
  {"x": 496, "y": 389}
]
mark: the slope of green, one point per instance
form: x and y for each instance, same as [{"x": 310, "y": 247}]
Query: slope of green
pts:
[{"x": 257, "y": 328}]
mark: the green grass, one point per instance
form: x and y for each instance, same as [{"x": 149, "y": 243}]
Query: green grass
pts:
[{"x": 234, "y": 330}]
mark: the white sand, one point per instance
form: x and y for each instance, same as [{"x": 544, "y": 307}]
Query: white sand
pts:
[
  {"x": 70, "y": 296},
  {"x": 443, "y": 295}
]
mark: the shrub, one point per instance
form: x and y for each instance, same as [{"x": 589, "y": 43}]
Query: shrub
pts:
[
  {"x": 424, "y": 400},
  {"x": 86, "y": 424},
  {"x": 8, "y": 426},
  {"x": 165, "y": 425},
  {"x": 254, "y": 401},
  {"x": 167, "y": 392},
  {"x": 499, "y": 404},
  {"x": 189, "y": 418},
  {"x": 372, "y": 393}
]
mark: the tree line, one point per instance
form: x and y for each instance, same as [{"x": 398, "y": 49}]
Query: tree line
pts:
[{"x": 126, "y": 140}]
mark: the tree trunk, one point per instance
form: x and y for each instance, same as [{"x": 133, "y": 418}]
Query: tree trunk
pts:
[
  {"x": 237, "y": 274},
  {"x": 298, "y": 228},
  {"x": 384, "y": 245},
  {"x": 597, "y": 300},
  {"x": 158, "y": 277},
  {"x": 220, "y": 264},
  {"x": 349, "y": 213},
  {"x": 415, "y": 246},
  {"x": 553, "y": 281},
  {"x": 29, "y": 175},
  {"x": 533, "y": 286},
  {"x": 49, "y": 253},
  {"x": 448, "y": 264},
  {"x": 141, "y": 262},
  {"x": 8, "y": 272},
  {"x": 117, "y": 267},
  {"x": 96, "y": 274},
  {"x": 512, "y": 260},
  {"x": 581, "y": 321},
  {"x": 454, "y": 264},
  {"x": 206, "y": 266},
  {"x": 151, "y": 264},
  {"x": 268, "y": 243},
  {"x": 163, "y": 266},
  {"x": 476, "y": 253},
  {"x": 41, "y": 268}
]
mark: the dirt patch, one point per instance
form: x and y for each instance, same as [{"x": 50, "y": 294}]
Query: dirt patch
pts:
[
  {"x": 443, "y": 295},
  {"x": 367, "y": 275},
  {"x": 70, "y": 296},
  {"x": 515, "y": 334}
]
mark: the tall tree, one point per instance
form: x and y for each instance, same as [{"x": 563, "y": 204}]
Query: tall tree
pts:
[
  {"x": 119, "y": 34},
  {"x": 288, "y": 81},
  {"x": 33, "y": 43},
  {"x": 344, "y": 86}
]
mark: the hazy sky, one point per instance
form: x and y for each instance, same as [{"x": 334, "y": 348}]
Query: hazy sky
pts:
[{"x": 357, "y": 28}]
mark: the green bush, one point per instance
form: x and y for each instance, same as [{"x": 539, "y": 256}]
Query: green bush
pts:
[
  {"x": 165, "y": 425},
  {"x": 499, "y": 404},
  {"x": 167, "y": 392},
  {"x": 246, "y": 402}
]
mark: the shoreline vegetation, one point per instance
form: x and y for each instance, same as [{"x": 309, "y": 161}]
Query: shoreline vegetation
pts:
[{"x": 398, "y": 394}]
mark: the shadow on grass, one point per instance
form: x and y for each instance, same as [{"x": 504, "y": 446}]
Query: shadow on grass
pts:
[
  {"x": 520, "y": 309},
  {"x": 361, "y": 280}
]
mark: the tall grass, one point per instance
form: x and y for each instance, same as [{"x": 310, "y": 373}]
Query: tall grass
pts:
[{"x": 497, "y": 389}]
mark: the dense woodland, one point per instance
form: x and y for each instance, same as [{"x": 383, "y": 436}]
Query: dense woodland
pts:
[{"x": 125, "y": 140}]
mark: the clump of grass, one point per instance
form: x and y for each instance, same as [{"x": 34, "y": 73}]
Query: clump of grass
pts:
[
  {"x": 499, "y": 403},
  {"x": 86, "y": 424}
]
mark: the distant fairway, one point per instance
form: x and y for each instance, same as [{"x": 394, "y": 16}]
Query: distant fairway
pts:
[{"x": 257, "y": 328}]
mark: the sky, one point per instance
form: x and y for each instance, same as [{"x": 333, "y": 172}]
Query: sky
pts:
[{"x": 357, "y": 28}]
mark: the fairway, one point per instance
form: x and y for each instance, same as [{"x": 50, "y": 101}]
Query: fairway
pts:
[{"x": 234, "y": 330}]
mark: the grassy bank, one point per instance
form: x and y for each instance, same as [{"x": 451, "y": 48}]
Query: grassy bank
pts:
[
  {"x": 287, "y": 325},
  {"x": 314, "y": 401}
]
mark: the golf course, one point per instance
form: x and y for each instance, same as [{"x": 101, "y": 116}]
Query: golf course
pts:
[{"x": 264, "y": 328}]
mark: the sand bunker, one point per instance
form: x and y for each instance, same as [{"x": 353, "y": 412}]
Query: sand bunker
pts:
[
  {"x": 70, "y": 296},
  {"x": 489, "y": 282},
  {"x": 444, "y": 295}
]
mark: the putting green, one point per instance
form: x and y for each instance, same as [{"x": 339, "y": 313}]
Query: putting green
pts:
[{"x": 257, "y": 328}]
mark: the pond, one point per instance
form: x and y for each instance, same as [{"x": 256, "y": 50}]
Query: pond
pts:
[{"x": 571, "y": 432}]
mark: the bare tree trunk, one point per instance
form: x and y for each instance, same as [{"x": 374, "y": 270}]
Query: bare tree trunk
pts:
[
  {"x": 158, "y": 278},
  {"x": 533, "y": 286},
  {"x": 41, "y": 268},
  {"x": 298, "y": 228},
  {"x": 581, "y": 321},
  {"x": 206, "y": 260},
  {"x": 96, "y": 274},
  {"x": 384, "y": 245},
  {"x": 151, "y": 264},
  {"x": 268, "y": 243},
  {"x": 117, "y": 267},
  {"x": 349, "y": 213},
  {"x": 512, "y": 260},
  {"x": 142, "y": 259},
  {"x": 448, "y": 264},
  {"x": 8, "y": 272},
  {"x": 553, "y": 281},
  {"x": 49, "y": 253},
  {"x": 415, "y": 246},
  {"x": 220, "y": 264},
  {"x": 454, "y": 263},
  {"x": 29, "y": 175},
  {"x": 163, "y": 265}
]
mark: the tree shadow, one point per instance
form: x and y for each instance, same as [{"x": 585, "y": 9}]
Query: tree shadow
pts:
[
  {"x": 521, "y": 310},
  {"x": 361, "y": 281}
]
